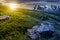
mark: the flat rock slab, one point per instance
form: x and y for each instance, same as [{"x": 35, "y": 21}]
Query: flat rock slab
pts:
[{"x": 4, "y": 17}]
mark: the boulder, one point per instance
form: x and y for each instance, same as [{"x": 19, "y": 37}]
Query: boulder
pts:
[
  {"x": 35, "y": 31},
  {"x": 4, "y": 17}
]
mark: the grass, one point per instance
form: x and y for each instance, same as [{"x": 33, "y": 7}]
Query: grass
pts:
[{"x": 20, "y": 19}]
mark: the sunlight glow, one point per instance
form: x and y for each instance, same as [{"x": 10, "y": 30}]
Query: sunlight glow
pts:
[{"x": 13, "y": 6}]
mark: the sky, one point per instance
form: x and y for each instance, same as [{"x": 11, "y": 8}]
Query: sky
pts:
[
  {"x": 18, "y": 1},
  {"x": 29, "y": 0}
]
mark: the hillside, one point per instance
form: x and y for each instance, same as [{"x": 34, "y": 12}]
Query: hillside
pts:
[
  {"x": 15, "y": 28},
  {"x": 20, "y": 19}
]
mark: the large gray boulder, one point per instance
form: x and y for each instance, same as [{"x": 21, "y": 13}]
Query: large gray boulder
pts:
[{"x": 35, "y": 31}]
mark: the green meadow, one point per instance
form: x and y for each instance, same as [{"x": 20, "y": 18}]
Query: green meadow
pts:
[{"x": 15, "y": 28}]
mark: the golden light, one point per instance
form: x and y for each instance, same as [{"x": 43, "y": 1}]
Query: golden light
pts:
[{"x": 13, "y": 6}]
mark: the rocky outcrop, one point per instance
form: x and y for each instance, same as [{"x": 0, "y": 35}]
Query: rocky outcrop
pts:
[
  {"x": 35, "y": 31},
  {"x": 49, "y": 8}
]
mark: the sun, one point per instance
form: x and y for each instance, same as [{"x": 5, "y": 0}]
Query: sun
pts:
[{"x": 13, "y": 6}]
